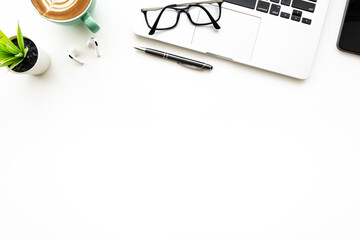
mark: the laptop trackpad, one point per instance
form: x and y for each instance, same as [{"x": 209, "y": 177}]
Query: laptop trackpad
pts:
[{"x": 235, "y": 40}]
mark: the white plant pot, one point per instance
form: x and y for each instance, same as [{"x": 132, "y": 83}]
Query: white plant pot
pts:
[{"x": 42, "y": 63}]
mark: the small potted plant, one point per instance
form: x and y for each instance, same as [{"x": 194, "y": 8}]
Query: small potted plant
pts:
[{"x": 21, "y": 55}]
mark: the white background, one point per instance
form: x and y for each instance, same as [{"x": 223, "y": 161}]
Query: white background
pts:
[{"x": 133, "y": 147}]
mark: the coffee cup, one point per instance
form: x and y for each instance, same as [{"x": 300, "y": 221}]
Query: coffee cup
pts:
[{"x": 67, "y": 12}]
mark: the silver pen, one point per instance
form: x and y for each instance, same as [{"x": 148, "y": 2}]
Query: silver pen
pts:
[{"x": 187, "y": 62}]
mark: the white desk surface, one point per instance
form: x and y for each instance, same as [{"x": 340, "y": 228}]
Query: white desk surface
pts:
[{"x": 133, "y": 147}]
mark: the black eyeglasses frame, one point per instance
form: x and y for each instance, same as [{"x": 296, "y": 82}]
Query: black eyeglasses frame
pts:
[{"x": 179, "y": 8}]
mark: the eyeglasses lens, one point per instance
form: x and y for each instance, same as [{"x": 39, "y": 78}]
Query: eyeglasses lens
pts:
[
  {"x": 199, "y": 15},
  {"x": 167, "y": 19}
]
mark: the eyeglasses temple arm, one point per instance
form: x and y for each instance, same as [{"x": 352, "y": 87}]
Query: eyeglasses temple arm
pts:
[
  {"x": 203, "y": 2},
  {"x": 180, "y": 5},
  {"x": 213, "y": 21},
  {"x": 153, "y": 29}
]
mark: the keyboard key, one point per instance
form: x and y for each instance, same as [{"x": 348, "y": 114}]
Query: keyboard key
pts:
[
  {"x": 306, "y": 21},
  {"x": 244, "y": 3},
  {"x": 275, "y": 9},
  {"x": 286, "y": 2},
  {"x": 263, "y": 6},
  {"x": 302, "y": 5},
  {"x": 296, "y": 15},
  {"x": 295, "y": 18},
  {"x": 275, "y": 1},
  {"x": 285, "y": 15}
]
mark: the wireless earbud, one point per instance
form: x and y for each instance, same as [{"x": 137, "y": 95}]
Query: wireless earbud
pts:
[
  {"x": 73, "y": 53},
  {"x": 92, "y": 43}
]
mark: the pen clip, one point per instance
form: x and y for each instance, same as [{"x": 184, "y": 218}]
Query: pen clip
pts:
[{"x": 189, "y": 66}]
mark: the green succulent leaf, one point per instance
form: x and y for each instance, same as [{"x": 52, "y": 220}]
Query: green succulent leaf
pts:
[
  {"x": 10, "y": 61},
  {"x": 19, "y": 55},
  {"x": 4, "y": 55},
  {"x": 14, "y": 64},
  {"x": 3, "y": 48},
  {"x": 25, "y": 52},
  {"x": 13, "y": 50},
  {"x": 5, "y": 40},
  {"x": 20, "y": 39}
]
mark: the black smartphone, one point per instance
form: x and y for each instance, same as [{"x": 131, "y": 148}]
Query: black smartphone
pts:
[{"x": 349, "y": 36}]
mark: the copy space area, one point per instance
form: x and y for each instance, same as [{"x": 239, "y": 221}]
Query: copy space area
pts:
[{"x": 133, "y": 147}]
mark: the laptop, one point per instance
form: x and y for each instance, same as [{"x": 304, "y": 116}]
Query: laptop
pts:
[{"x": 276, "y": 35}]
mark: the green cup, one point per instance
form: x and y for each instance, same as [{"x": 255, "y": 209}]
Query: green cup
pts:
[{"x": 83, "y": 17}]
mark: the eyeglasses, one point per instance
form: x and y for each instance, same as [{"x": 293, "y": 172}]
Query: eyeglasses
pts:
[{"x": 199, "y": 13}]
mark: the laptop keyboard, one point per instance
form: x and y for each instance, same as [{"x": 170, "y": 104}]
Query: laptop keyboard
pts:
[{"x": 274, "y": 7}]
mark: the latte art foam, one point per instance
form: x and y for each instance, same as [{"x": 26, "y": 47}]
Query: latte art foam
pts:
[{"x": 61, "y": 9}]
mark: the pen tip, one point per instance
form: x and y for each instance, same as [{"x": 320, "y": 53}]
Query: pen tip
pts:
[{"x": 140, "y": 48}]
